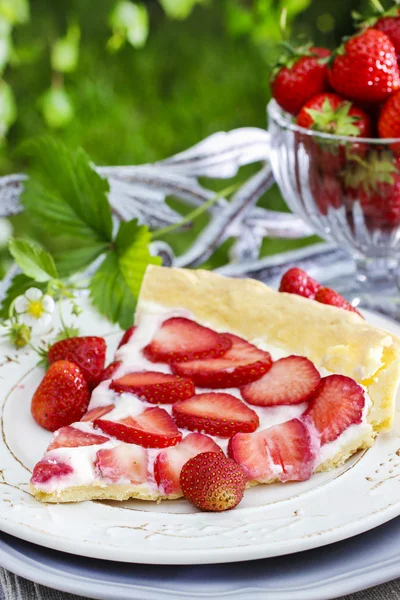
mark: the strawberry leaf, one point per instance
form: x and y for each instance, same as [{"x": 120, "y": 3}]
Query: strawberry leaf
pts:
[{"x": 33, "y": 260}]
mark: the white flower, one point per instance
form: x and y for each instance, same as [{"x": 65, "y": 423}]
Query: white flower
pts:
[{"x": 35, "y": 310}]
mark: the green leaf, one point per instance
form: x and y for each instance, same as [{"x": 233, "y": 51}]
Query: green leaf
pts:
[
  {"x": 57, "y": 108},
  {"x": 129, "y": 21},
  {"x": 132, "y": 244},
  {"x": 71, "y": 261},
  {"x": 178, "y": 9},
  {"x": 33, "y": 261},
  {"x": 18, "y": 286},
  {"x": 66, "y": 197},
  {"x": 110, "y": 294}
]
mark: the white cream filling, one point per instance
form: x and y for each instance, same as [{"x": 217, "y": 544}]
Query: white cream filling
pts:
[{"x": 81, "y": 459}]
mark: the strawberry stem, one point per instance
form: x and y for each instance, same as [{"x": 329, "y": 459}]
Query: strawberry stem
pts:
[
  {"x": 377, "y": 6},
  {"x": 194, "y": 214}
]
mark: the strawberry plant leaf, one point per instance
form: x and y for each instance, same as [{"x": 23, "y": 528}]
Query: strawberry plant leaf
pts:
[{"x": 33, "y": 260}]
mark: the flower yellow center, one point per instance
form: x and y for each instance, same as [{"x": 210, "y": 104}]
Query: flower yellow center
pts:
[{"x": 35, "y": 309}]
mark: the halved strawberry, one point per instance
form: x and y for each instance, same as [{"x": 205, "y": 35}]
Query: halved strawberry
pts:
[
  {"x": 122, "y": 464},
  {"x": 297, "y": 281},
  {"x": 110, "y": 370},
  {"x": 337, "y": 403},
  {"x": 127, "y": 336},
  {"x": 153, "y": 428},
  {"x": 96, "y": 413},
  {"x": 69, "y": 437},
  {"x": 327, "y": 296},
  {"x": 48, "y": 468},
  {"x": 290, "y": 380},
  {"x": 181, "y": 340},
  {"x": 169, "y": 463},
  {"x": 240, "y": 365},
  {"x": 216, "y": 414},
  {"x": 157, "y": 388},
  {"x": 283, "y": 452}
]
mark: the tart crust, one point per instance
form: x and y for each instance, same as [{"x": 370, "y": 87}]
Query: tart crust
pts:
[{"x": 333, "y": 339}]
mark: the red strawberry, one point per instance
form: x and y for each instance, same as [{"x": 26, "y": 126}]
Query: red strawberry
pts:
[
  {"x": 48, "y": 468},
  {"x": 326, "y": 189},
  {"x": 331, "y": 113},
  {"x": 216, "y": 414},
  {"x": 153, "y": 428},
  {"x": 299, "y": 76},
  {"x": 62, "y": 396},
  {"x": 181, "y": 340},
  {"x": 387, "y": 21},
  {"x": 290, "y": 380},
  {"x": 212, "y": 482},
  {"x": 127, "y": 336},
  {"x": 283, "y": 452},
  {"x": 110, "y": 370},
  {"x": 365, "y": 68},
  {"x": 375, "y": 183},
  {"x": 337, "y": 403},
  {"x": 296, "y": 281},
  {"x": 69, "y": 437},
  {"x": 389, "y": 120},
  {"x": 89, "y": 353},
  {"x": 327, "y": 296},
  {"x": 239, "y": 365},
  {"x": 169, "y": 463},
  {"x": 122, "y": 463},
  {"x": 157, "y": 388},
  {"x": 96, "y": 413}
]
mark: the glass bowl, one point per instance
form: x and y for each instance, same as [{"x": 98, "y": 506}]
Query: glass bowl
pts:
[{"x": 348, "y": 190}]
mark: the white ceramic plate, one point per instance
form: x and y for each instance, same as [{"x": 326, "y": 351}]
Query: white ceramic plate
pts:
[{"x": 270, "y": 521}]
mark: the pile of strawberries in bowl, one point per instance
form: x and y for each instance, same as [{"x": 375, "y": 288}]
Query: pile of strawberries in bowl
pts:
[{"x": 343, "y": 110}]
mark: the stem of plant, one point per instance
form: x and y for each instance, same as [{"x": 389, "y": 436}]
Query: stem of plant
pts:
[{"x": 195, "y": 213}]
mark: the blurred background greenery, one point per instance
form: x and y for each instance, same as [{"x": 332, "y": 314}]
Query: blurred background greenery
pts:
[{"x": 134, "y": 82}]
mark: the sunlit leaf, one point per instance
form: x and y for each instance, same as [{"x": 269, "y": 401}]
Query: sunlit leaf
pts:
[
  {"x": 57, "y": 108},
  {"x": 129, "y": 21},
  {"x": 65, "y": 51}
]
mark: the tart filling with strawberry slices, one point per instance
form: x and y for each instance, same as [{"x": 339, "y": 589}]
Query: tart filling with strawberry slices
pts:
[{"x": 283, "y": 385}]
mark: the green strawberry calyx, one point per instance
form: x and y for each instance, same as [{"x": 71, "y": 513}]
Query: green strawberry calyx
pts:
[
  {"x": 376, "y": 12},
  {"x": 291, "y": 55},
  {"x": 369, "y": 173},
  {"x": 335, "y": 121}
]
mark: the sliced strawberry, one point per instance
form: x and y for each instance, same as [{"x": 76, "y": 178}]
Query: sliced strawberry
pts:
[
  {"x": 157, "y": 388},
  {"x": 290, "y": 380},
  {"x": 181, "y": 340},
  {"x": 337, "y": 403},
  {"x": 110, "y": 370},
  {"x": 216, "y": 414},
  {"x": 48, "y": 468},
  {"x": 240, "y": 365},
  {"x": 283, "y": 452},
  {"x": 153, "y": 428},
  {"x": 122, "y": 464},
  {"x": 96, "y": 413},
  {"x": 169, "y": 463},
  {"x": 127, "y": 336},
  {"x": 69, "y": 437}
]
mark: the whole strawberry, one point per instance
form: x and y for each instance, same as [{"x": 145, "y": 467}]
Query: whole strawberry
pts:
[
  {"x": 389, "y": 121},
  {"x": 333, "y": 114},
  {"x": 365, "y": 68},
  {"x": 375, "y": 183},
  {"x": 212, "y": 482},
  {"x": 298, "y": 76},
  {"x": 327, "y": 296},
  {"x": 89, "y": 353},
  {"x": 387, "y": 21},
  {"x": 297, "y": 281},
  {"x": 62, "y": 396}
]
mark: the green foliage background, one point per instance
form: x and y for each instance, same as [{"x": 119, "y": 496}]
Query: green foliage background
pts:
[{"x": 137, "y": 91}]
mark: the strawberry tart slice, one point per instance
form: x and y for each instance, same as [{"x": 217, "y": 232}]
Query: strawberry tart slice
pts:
[{"x": 276, "y": 385}]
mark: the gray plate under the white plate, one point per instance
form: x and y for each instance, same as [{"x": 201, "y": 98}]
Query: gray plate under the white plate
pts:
[{"x": 325, "y": 573}]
